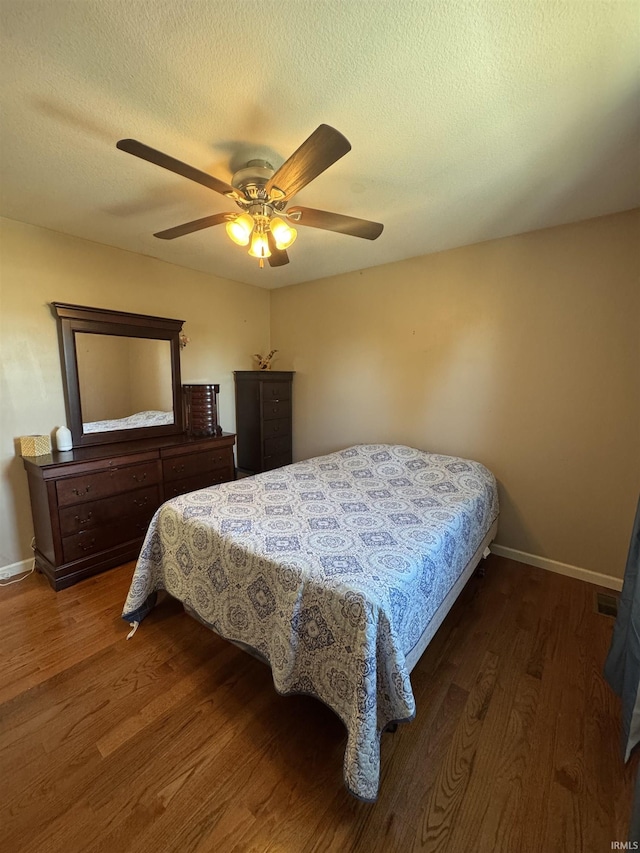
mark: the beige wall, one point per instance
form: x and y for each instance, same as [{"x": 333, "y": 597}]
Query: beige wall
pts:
[
  {"x": 226, "y": 321},
  {"x": 150, "y": 375},
  {"x": 523, "y": 353},
  {"x": 103, "y": 376}
]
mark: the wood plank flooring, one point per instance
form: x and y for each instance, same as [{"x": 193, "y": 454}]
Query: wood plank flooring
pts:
[{"x": 175, "y": 740}]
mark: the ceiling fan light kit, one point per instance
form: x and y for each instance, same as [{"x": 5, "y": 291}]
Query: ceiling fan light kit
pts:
[
  {"x": 263, "y": 194},
  {"x": 252, "y": 227},
  {"x": 259, "y": 246},
  {"x": 284, "y": 235},
  {"x": 240, "y": 229}
]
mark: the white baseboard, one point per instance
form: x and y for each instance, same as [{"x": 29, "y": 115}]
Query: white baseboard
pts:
[
  {"x": 15, "y": 568},
  {"x": 559, "y": 568},
  {"x": 511, "y": 553}
]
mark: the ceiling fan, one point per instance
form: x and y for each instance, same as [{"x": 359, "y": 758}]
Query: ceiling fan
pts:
[{"x": 263, "y": 193}]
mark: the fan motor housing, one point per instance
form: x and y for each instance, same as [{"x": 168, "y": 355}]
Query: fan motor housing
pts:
[{"x": 255, "y": 174}]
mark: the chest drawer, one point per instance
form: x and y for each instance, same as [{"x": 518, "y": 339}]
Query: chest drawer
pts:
[
  {"x": 277, "y": 445},
  {"x": 276, "y": 391},
  {"x": 89, "y": 487},
  {"x": 90, "y": 515},
  {"x": 180, "y": 467},
  {"x": 277, "y": 460},
  {"x": 276, "y": 427},
  {"x": 276, "y": 409}
]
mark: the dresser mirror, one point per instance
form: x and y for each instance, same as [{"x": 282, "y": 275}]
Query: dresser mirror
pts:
[{"x": 121, "y": 374}]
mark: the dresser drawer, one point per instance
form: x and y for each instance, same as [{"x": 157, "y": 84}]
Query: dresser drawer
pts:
[
  {"x": 276, "y": 409},
  {"x": 93, "y": 514},
  {"x": 180, "y": 467},
  {"x": 89, "y": 487},
  {"x": 92, "y": 505},
  {"x": 275, "y": 391},
  {"x": 91, "y": 541},
  {"x": 192, "y": 484},
  {"x": 276, "y": 427}
]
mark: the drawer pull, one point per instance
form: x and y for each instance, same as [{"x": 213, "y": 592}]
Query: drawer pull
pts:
[
  {"x": 141, "y": 501},
  {"x": 84, "y": 520},
  {"x": 276, "y": 428},
  {"x": 140, "y": 479},
  {"x": 80, "y": 492},
  {"x": 88, "y": 546},
  {"x": 178, "y": 468}
]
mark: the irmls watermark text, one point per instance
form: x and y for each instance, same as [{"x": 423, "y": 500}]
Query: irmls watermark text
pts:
[{"x": 625, "y": 845}]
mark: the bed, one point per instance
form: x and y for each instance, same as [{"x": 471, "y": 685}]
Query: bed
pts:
[{"x": 336, "y": 571}]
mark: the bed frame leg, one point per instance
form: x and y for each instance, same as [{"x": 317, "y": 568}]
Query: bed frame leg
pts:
[{"x": 480, "y": 568}]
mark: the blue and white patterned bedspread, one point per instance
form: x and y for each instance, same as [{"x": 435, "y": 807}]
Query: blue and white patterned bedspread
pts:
[{"x": 331, "y": 569}]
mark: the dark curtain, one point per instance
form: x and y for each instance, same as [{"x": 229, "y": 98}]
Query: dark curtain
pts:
[{"x": 622, "y": 667}]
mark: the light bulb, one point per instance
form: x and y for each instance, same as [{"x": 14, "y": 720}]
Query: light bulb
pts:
[
  {"x": 259, "y": 246},
  {"x": 283, "y": 234},
  {"x": 240, "y": 228}
]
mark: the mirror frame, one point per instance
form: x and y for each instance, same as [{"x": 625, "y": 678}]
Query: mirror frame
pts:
[{"x": 79, "y": 318}]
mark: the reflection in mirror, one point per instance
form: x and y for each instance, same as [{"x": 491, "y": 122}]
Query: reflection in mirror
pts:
[{"x": 125, "y": 382}]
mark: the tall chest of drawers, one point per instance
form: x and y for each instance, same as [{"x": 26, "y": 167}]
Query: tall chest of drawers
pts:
[
  {"x": 263, "y": 419},
  {"x": 92, "y": 506}
]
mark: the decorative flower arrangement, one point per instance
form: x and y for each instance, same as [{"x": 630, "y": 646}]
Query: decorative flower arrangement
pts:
[
  {"x": 264, "y": 361},
  {"x": 184, "y": 340}
]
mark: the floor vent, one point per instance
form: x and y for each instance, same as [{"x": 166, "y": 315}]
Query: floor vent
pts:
[{"x": 606, "y": 604}]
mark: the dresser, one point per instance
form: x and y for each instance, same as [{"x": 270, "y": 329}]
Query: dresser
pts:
[
  {"x": 91, "y": 506},
  {"x": 263, "y": 419}
]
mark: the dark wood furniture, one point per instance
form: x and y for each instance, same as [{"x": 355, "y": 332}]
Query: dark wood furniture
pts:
[
  {"x": 74, "y": 320},
  {"x": 263, "y": 419},
  {"x": 92, "y": 505},
  {"x": 201, "y": 409}
]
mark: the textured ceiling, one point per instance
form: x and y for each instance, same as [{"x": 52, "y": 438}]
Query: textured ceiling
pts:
[{"x": 468, "y": 120}]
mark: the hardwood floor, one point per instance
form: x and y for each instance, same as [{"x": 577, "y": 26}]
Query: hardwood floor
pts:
[{"x": 176, "y": 740}]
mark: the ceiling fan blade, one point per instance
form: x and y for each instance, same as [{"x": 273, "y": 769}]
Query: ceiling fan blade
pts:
[
  {"x": 317, "y": 153},
  {"x": 335, "y": 222},
  {"x": 139, "y": 149},
  {"x": 196, "y": 225},
  {"x": 278, "y": 257}
]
